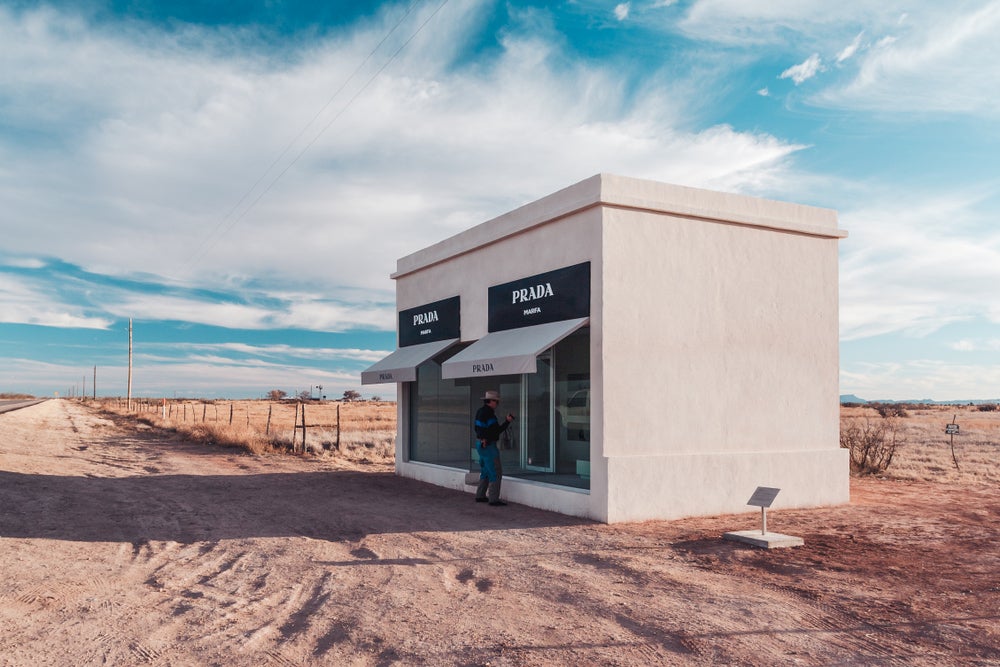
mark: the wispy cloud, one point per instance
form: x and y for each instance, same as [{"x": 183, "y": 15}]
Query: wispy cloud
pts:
[
  {"x": 622, "y": 10},
  {"x": 310, "y": 314},
  {"x": 786, "y": 21},
  {"x": 804, "y": 70},
  {"x": 966, "y": 345},
  {"x": 31, "y": 302},
  {"x": 172, "y": 129},
  {"x": 934, "y": 57},
  {"x": 848, "y": 51},
  {"x": 60, "y": 295},
  {"x": 202, "y": 376},
  {"x": 921, "y": 379},
  {"x": 281, "y": 351},
  {"x": 918, "y": 267},
  {"x": 937, "y": 61}
]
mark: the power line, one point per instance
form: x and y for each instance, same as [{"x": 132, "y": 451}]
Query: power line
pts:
[{"x": 227, "y": 227}]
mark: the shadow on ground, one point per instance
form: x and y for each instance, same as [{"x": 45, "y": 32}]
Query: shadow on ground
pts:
[{"x": 337, "y": 505}]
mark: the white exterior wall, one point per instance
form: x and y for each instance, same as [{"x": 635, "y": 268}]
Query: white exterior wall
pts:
[
  {"x": 714, "y": 351},
  {"x": 566, "y": 241},
  {"x": 720, "y": 348}
]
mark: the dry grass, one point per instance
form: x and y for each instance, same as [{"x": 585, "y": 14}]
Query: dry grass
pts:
[
  {"x": 926, "y": 453},
  {"x": 366, "y": 430}
]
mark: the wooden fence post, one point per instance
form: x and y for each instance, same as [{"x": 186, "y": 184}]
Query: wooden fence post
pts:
[
  {"x": 295, "y": 426},
  {"x": 303, "y": 428},
  {"x": 267, "y": 429},
  {"x": 230, "y": 414},
  {"x": 338, "y": 427},
  {"x": 204, "y": 409}
]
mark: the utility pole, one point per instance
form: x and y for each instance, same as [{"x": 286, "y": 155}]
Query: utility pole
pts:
[
  {"x": 129, "y": 396},
  {"x": 95, "y": 383},
  {"x": 84, "y": 394}
]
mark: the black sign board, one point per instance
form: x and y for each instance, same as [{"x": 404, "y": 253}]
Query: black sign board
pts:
[
  {"x": 431, "y": 322},
  {"x": 563, "y": 294}
]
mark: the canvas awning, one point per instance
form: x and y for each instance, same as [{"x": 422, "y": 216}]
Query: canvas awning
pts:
[
  {"x": 509, "y": 352},
  {"x": 401, "y": 365}
]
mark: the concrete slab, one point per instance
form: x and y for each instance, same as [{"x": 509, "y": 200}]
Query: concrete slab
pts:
[{"x": 764, "y": 540}]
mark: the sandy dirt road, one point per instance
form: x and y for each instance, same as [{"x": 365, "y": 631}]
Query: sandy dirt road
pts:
[{"x": 129, "y": 547}]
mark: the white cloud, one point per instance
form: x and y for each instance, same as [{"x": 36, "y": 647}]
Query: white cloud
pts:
[
  {"x": 935, "y": 57},
  {"x": 152, "y": 139},
  {"x": 786, "y": 21},
  {"x": 22, "y": 262},
  {"x": 201, "y": 377},
  {"x": 204, "y": 377},
  {"x": 938, "y": 61},
  {"x": 921, "y": 379},
  {"x": 300, "y": 313},
  {"x": 622, "y": 10},
  {"x": 848, "y": 51},
  {"x": 24, "y": 301},
  {"x": 990, "y": 345},
  {"x": 315, "y": 353},
  {"x": 804, "y": 70},
  {"x": 916, "y": 267}
]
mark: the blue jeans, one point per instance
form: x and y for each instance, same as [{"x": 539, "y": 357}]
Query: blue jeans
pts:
[
  {"x": 491, "y": 472},
  {"x": 489, "y": 461}
]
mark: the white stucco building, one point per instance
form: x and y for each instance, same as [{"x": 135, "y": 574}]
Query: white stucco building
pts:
[{"x": 666, "y": 350}]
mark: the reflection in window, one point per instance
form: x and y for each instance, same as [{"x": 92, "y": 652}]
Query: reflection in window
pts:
[
  {"x": 572, "y": 392},
  {"x": 550, "y": 440},
  {"x": 440, "y": 424}
]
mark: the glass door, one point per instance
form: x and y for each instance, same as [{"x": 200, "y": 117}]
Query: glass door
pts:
[{"x": 536, "y": 424}]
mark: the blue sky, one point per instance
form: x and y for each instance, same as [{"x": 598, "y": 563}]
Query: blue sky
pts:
[{"x": 240, "y": 178}]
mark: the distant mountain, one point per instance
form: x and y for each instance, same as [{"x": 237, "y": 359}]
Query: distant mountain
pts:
[{"x": 851, "y": 398}]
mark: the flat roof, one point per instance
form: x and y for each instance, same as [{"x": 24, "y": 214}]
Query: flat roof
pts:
[{"x": 613, "y": 191}]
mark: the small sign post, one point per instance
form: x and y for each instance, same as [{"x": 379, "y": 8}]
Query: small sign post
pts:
[
  {"x": 763, "y": 497},
  {"x": 950, "y": 430}
]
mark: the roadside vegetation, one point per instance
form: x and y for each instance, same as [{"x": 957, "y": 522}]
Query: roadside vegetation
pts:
[
  {"x": 897, "y": 441},
  {"x": 909, "y": 441},
  {"x": 361, "y": 431}
]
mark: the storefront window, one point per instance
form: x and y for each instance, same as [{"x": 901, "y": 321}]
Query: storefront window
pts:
[
  {"x": 572, "y": 406},
  {"x": 440, "y": 424},
  {"x": 548, "y": 442}
]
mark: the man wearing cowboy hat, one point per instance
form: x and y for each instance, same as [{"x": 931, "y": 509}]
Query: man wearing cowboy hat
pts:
[{"x": 488, "y": 430}]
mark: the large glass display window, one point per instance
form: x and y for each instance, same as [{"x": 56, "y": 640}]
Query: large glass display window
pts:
[
  {"x": 549, "y": 440},
  {"x": 440, "y": 425}
]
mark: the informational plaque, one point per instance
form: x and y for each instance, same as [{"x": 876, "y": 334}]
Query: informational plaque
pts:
[{"x": 763, "y": 496}]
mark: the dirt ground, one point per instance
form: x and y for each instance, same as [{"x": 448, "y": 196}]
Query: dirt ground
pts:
[{"x": 129, "y": 547}]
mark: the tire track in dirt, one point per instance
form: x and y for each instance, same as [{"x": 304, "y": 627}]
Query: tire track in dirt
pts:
[{"x": 181, "y": 554}]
